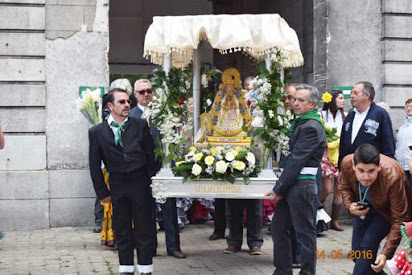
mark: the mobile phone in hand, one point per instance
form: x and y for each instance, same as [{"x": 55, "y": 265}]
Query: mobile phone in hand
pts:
[{"x": 364, "y": 205}]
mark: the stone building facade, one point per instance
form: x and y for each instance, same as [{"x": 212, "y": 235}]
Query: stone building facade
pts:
[{"x": 49, "y": 48}]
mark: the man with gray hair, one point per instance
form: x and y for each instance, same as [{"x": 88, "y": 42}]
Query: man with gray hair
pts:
[
  {"x": 296, "y": 188},
  {"x": 367, "y": 123}
]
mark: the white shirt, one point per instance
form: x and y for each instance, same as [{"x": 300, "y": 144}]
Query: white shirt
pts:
[
  {"x": 145, "y": 110},
  {"x": 357, "y": 122},
  {"x": 402, "y": 153},
  {"x": 110, "y": 120},
  {"x": 336, "y": 122}
]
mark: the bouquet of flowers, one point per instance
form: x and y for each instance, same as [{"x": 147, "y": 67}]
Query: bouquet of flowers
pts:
[
  {"x": 274, "y": 132},
  {"x": 88, "y": 105},
  {"x": 223, "y": 163}
]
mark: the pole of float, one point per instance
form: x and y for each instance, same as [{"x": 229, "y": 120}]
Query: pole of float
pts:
[
  {"x": 196, "y": 91},
  {"x": 167, "y": 65}
]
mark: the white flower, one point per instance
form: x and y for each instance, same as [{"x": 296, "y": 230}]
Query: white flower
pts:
[
  {"x": 221, "y": 166},
  {"x": 239, "y": 165},
  {"x": 280, "y": 121},
  {"x": 187, "y": 84},
  {"x": 271, "y": 114},
  {"x": 229, "y": 156},
  {"x": 196, "y": 169},
  {"x": 250, "y": 157},
  {"x": 208, "y": 102},
  {"x": 205, "y": 82}
]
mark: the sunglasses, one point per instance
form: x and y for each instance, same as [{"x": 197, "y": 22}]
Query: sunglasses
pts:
[
  {"x": 123, "y": 101},
  {"x": 142, "y": 92}
]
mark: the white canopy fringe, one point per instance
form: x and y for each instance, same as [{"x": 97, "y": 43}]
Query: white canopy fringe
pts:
[{"x": 255, "y": 34}]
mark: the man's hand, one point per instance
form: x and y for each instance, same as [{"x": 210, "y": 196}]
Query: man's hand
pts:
[
  {"x": 274, "y": 196},
  {"x": 379, "y": 263},
  {"x": 355, "y": 209},
  {"x": 108, "y": 199}
]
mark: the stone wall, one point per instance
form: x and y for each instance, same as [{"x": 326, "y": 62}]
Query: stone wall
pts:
[
  {"x": 397, "y": 56},
  {"x": 50, "y": 48}
]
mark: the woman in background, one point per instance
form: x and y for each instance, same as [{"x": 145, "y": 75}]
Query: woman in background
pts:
[{"x": 333, "y": 115}]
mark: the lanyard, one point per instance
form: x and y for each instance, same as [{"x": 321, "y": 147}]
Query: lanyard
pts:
[{"x": 362, "y": 199}]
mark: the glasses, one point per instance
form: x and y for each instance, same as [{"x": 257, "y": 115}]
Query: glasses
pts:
[
  {"x": 142, "y": 92},
  {"x": 123, "y": 101},
  {"x": 408, "y": 106}
]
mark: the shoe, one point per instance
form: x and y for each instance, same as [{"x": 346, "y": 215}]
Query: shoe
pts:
[
  {"x": 216, "y": 236},
  {"x": 97, "y": 228},
  {"x": 231, "y": 249},
  {"x": 128, "y": 273},
  {"x": 177, "y": 254},
  {"x": 255, "y": 250},
  {"x": 145, "y": 273},
  {"x": 296, "y": 265}
]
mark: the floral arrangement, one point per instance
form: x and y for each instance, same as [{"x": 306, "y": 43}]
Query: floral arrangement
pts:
[
  {"x": 88, "y": 104},
  {"x": 169, "y": 108},
  {"x": 224, "y": 163},
  {"x": 276, "y": 120}
]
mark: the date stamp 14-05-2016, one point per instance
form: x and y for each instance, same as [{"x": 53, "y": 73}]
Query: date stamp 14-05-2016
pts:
[{"x": 339, "y": 254}]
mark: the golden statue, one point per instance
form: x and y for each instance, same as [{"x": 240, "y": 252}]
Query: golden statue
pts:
[{"x": 224, "y": 123}]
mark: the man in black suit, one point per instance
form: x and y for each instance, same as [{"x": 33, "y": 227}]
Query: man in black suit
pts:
[
  {"x": 144, "y": 95},
  {"x": 296, "y": 188},
  {"x": 125, "y": 146}
]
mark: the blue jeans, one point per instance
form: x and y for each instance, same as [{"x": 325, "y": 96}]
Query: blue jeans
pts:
[
  {"x": 295, "y": 208},
  {"x": 367, "y": 235},
  {"x": 171, "y": 225}
]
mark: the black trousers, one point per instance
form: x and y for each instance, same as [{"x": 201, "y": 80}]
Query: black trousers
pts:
[
  {"x": 254, "y": 222},
  {"x": 220, "y": 217},
  {"x": 132, "y": 200}
]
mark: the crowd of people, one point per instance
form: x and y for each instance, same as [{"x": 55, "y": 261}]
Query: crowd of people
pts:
[{"x": 360, "y": 168}]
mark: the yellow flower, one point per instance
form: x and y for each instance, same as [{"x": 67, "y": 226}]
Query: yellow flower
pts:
[
  {"x": 209, "y": 160},
  {"x": 238, "y": 148},
  {"x": 234, "y": 153},
  {"x": 192, "y": 148},
  {"x": 179, "y": 162},
  {"x": 239, "y": 165},
  {"x": 198, "y": 157},
  {"x": 213, "y": 151},
  {"x": 326, "y": 97}
]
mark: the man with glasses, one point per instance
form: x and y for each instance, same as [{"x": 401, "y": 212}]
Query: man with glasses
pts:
[
  {"x": 367, "y": 123},
  {"x": 144, "y": 95},
  {"x": 125, "y": 146}
]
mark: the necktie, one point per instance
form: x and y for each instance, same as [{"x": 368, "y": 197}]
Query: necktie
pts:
[{"x": 118, "y": 131}]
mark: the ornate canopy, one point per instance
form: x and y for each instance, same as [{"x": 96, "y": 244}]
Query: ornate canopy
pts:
[{"x": 255, "y": 35}]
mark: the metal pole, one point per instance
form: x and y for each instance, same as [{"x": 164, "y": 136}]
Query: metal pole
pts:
[
  {"x": 167, "y": 62},
  {"x": 196, "y": 91},
  {"x": 268, "y": 62}
]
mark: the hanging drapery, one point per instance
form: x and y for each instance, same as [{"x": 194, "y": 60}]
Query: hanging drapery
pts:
[{"x": 255, "y": 35}]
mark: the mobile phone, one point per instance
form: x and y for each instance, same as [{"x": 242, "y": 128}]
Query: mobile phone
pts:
[
  {"x": 410, "y": 147},
  {"x": 364, "y": 205}
]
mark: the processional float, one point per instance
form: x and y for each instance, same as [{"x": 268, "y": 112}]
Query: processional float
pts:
[{"x": 172, "y": 41}]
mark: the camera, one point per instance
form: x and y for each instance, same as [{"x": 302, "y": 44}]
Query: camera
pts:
[{"x": 364, "y": 205}]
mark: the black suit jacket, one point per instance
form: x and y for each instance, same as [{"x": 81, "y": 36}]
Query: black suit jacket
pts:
[
  {"x": 136, "y": 112},
  {"x": 307, "y": 144},
  {"x": 136, "y": 152}
]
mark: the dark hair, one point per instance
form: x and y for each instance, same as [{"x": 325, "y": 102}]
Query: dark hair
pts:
[
  {"x": 368, "y": 88},
  {"x": 110, "y": 94},
  {"x": 105, "y": 109},
  {"x": 408, "y": 101},
  {"x": 367, "y": 154},
  {"x": 332, "y": 105}
]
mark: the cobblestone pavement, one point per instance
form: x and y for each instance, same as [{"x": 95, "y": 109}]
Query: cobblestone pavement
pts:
[{"x": 77, "y": 251}]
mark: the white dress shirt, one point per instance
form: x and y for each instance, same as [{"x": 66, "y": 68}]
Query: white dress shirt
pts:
[{"x": 357, "y": 122}]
